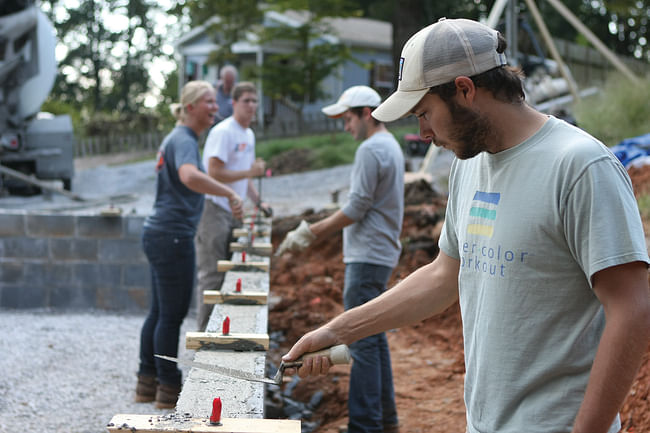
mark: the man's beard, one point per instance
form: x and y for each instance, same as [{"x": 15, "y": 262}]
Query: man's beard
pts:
[{"x": 470, "y": 130}]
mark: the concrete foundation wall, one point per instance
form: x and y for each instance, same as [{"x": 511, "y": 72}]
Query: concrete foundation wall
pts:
[{"x": 72, "y": 262}]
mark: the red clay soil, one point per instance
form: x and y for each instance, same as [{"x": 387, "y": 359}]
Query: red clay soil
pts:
[{"x": 427, "y": 358}]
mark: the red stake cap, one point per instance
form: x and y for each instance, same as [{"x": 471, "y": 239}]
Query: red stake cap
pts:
[
  {"x": 225, "y": 329},
  {"x": 215, "y": 418},
  {"x": 238, "y": 286},
  {"x": 243, "y": 256}
]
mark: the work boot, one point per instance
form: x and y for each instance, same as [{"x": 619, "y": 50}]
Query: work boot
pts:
[
  {"x": 167, "y": 396},
  {"x": 391, "y": 428},
  {"x": 145, "y": 390}
]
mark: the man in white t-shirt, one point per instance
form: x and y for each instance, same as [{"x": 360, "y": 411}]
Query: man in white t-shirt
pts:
[{"x": 229, "y": 157}]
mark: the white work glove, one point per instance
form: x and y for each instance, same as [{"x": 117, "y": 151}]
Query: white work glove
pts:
[{"x": 296, "y": 240}]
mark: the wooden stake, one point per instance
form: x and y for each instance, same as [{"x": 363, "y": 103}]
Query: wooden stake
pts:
[
  {"x": 258, "y": 248},
  {"x": 227, "y": 265},
  {"x": 233, "y": 298},
  {"x": 232, "y": 341},
  {"x": 259, "y": 231},
  {"x": 177, "y": 423}
]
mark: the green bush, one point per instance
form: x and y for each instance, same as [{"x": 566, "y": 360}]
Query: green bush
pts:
[{"x": 621, "y": 110}]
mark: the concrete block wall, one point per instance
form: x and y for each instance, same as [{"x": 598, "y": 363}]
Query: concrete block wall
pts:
[{"x": 72, "y": 262}]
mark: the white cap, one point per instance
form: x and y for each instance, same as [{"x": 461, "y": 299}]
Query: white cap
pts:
[
  {"x": 436, "y": 55},
  {"x": 355, "y": 96}
]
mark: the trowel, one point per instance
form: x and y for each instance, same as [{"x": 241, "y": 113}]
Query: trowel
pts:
[{"x": 339, "y": 354}]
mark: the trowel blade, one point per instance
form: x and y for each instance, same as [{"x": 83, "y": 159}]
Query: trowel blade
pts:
[{"x": 224, "y": 371}]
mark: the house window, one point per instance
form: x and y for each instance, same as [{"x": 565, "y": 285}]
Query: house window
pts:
[{"x": 381, "y": 77}]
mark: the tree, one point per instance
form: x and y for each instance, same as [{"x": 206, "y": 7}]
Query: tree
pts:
[
  {"x": 229, "y": 22},
  {"x": 109, "y": 48},
  {"x": 294, "y": 74},
  {"x": 139, "y": 44}
]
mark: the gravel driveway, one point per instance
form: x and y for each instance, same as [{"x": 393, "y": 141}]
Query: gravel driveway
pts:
[{"x": 70, "y": 372}]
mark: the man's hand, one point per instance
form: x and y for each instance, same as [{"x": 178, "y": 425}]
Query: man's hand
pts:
[
  {"x": 258, "y": 167},
  {"x": 297, "y": 240},
  {"x": 236, "y": 206},
  {"x": 311, "y": 342}
]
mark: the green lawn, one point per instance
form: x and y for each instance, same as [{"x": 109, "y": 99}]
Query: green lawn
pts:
[{"x": 325, "y": 150}]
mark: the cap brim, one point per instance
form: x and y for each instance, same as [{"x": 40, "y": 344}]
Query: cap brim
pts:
[
  {"x": 398, "y": 105},
  {"x": 334, "y": 110}
]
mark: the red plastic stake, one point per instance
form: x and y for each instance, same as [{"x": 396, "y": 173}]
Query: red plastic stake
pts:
[
  {"x": 238, "y": 286},
  {"x": 215, "y": 418},
  {"x": 225, "y": 329},
  {"x": 252, "y": 239},
  {"x": 243, "y": 256}
]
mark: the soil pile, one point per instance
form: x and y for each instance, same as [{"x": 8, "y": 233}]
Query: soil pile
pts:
[{"x": 427, "y": 358}]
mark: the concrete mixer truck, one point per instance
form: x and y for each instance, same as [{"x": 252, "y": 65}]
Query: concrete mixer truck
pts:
[{"x": 31, "y": 143}]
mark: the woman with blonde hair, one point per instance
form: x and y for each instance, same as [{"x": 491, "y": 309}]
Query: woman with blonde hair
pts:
[{"x": 168, "y": 240}]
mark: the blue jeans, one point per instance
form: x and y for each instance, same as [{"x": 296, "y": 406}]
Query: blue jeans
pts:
[
  {"x": 172, "y": 260},
  {"x": 371, "y": 399}
]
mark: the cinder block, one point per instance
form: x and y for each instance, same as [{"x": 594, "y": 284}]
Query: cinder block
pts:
[
  {"x": 99, "y": 227},
  {"x": 23, "y": 296},
  {"x": 47, "y": 275},
  {"x": 88, "y": 275},
  {"x": 45, "y": 226},
  {"x": 137, "y": 275},
  {"x": 121, "y": 251},
  {"x": 73, "y": 249},
  {"x": 11, "y": 272},
  {"x": 133, "y": 226},
  {"x": 76, "y": 298},
  {"x": 140, "y": 297},
  {"x": 12, "y": 225},
  {"x": 117, "y": 299},
  {"x": 23, "y": 248}
]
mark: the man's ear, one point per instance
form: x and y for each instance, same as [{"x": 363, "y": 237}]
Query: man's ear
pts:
[
  {"x": 465, "y": 90},
  {"x": 367, "y": 112}
]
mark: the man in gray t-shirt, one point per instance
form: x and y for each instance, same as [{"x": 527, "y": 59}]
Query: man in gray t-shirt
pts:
[
  {"x": 371, "y": 222},
  {"x": 542, "y": 246}
]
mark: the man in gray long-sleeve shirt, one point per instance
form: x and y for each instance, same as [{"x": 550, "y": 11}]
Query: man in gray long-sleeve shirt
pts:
[{"x": 371, "y": 223}]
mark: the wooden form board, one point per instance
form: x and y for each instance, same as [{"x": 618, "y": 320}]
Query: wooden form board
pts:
[
  {"x": 178, "y": 423},
  {"x": 234, "y": 298},
  {"x": 228, "y": 265},
  {"x": 232, "y": 341},
  {"x": 262, "y": 221},
  {"x": 257, "y": 231},
  {"x": 258, "y": 248}
]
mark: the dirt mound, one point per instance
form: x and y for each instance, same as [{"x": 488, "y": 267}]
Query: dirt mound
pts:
[
  {"x": 427, "y": 358},
  {"x": 291, "y": 161}
]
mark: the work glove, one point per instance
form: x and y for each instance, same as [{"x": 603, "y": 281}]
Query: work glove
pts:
[{"x": 296, "y": 240}]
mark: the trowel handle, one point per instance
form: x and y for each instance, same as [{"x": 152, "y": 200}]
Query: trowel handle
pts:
[{"x": 339, "y": 354}]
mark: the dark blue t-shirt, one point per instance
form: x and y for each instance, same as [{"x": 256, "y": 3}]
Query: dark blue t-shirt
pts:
[{"x": 177, "y": 209}]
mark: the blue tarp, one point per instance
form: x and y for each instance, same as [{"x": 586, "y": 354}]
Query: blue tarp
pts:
[{"x": 632, "y": 148}]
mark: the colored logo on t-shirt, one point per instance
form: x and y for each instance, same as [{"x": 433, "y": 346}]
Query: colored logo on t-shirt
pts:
[
  {"x": 483, "y": 213},
  {"x": 161, "y": 161},
  {"x": 240, "y": 147}
]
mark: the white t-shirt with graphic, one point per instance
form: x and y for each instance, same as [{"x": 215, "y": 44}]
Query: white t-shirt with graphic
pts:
[
  {"x": 530, "y": 226},
  {"x": 235, "y": 146}
]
